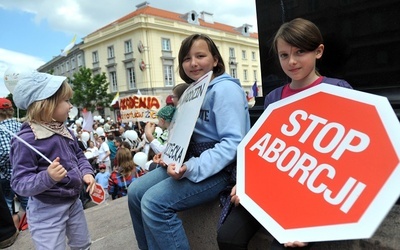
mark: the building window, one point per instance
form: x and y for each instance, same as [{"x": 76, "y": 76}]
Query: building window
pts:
[
  {"x": 232, "y": 52},
  {"x": 255, "y": 75},
  {"x": 80, "y": 62},
  {"x": 168, "y": 76},
  {"x": 95, "y": 57},
  {"x": 73, "y": 64},
  {"x": 245, "y": 75},
  {"x": 233, "y": 73},
  {"x": 253, "y": 55},
  {"x": 131, "y": 78},
  {"x": 67, "y": 66},
  {"x": 62, "y": 68},
  {"x": 113, "y": 81},
  {"x": 128, "y": 46},
  {"x": 166, "y": 44},
  {"x": 110, "y": 52},
  {"x": 244, "y": 56}
]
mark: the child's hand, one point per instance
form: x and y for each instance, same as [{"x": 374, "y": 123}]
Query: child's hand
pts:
[
  {"x": 56, "y": 171},
  {"x": 89, "y": 180},
  {"x": 157, "y": 158},
  {"x": 234, "y": 198},
  {"x": 296, "y": 244},
  {"x": 171, "y": 171}
]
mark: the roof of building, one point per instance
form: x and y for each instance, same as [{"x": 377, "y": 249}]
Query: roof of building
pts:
[{"x": 148, "y": 10}]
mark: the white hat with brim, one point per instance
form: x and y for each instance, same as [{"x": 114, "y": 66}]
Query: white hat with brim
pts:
[{"x": 35, "y": 87}]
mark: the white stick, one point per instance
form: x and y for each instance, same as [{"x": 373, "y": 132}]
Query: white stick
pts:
[{"x": 24, "y": 142}]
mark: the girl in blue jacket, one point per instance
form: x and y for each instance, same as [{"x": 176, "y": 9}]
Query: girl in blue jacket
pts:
[{"x": 156, "y": 197}]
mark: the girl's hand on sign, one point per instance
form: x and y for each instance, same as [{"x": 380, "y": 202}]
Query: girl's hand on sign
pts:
[
  {"x": 296, "y": 244},
  {"x": 171, "y": 171},
  {"x": 89, "y": 180},
  {"x": 234, "y": 198},
  {"x": 158, "y": 159}
]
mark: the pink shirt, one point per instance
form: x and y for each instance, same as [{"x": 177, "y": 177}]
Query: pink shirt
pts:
[{"x": 287, "y": 91}]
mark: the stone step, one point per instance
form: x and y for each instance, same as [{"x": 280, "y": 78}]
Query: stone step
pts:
[
  {"x": 111, "y": 228},
  {"x": 109, "y": 224}
]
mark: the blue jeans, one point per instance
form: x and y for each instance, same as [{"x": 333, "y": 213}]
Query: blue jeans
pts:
[{"x": 154, "y": 200}]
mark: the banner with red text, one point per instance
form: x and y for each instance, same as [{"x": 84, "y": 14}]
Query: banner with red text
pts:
[{"x": 136, "y": 108}]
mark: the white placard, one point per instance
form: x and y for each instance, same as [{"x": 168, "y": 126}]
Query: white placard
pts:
[{"x": 184, "y": 120}]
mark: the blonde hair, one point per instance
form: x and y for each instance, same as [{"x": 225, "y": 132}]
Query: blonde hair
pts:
[
  {"x": 125, "y": 161},
  {"x": 42, "y": 111}
]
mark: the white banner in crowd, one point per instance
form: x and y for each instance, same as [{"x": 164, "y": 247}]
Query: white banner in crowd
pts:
[{"x": 184, "y": 120}]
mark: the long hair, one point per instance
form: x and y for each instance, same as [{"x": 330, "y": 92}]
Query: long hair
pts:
[
  {"x": 125, "y": 161},
  {"x": 42, "y": 111},
  {"x": 187, "y": 45}
]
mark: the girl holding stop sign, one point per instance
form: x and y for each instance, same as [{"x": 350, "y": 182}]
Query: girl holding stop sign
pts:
[{"x": 298, "y": 45}]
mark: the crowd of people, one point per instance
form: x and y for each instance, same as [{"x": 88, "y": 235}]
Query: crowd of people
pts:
[{"x": 106, "y": 154}]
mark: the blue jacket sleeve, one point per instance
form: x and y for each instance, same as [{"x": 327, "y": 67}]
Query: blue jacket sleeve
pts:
[{"x": 227, "y": 123}]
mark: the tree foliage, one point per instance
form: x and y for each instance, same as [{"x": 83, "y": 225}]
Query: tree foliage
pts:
[{"x": 90, "y": 91}]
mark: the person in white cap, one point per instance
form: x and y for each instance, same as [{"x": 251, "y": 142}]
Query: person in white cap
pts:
[{"x": 55, "y": 211}]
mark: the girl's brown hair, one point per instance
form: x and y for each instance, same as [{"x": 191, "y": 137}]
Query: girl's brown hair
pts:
[
  {"x": 299, "y": 33},
  {"x": 187, "y": 45},
  {"x": 42, "y": 111},
  {"x": 125, "y": 161},
  {"x": 179, "y": 89}
]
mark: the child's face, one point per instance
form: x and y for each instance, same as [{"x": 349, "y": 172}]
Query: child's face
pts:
[
  {"x": 61, "y": 111},
  {"x": 175, "y": 99},
  {"x": 298, "y": 64},
  {"x": 199, "y": 60}
]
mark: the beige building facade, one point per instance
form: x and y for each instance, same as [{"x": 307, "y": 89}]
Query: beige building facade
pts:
[{"x": 139, "y": 52}]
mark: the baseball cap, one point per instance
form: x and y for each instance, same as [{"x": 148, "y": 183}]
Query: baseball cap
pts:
[
  {"x": 34, "y": 87},
  {"x": 169, "y": 101},
  {"x": 5, "y": 103}
]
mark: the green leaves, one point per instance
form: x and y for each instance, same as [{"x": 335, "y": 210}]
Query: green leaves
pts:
[{"x": 90, "y": 91}]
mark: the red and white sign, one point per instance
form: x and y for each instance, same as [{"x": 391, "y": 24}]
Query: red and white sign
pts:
[
  {"x": 321, "y": 165},
  {"x": 136, "y": 108},
  {"x": 99, "y": 195}
]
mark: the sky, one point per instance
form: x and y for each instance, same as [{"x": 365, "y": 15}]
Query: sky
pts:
[{"x": 33, "y": 32}]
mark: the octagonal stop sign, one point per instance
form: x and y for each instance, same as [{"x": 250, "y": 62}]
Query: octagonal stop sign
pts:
[
  {"x": 99, "y": 195},
  {"x": 321, "y": 165}
]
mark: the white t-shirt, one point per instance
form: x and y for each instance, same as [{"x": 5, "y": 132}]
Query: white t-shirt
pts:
[
  {"x": 94, "y": 151},
  {"x": 103, "y": 152}
]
